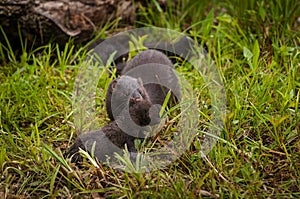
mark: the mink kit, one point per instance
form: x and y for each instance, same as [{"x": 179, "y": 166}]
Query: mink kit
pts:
[{"x": 151, "y": 66}]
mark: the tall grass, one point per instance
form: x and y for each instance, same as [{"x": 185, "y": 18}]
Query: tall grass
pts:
[{"x": 255, "y": 46}]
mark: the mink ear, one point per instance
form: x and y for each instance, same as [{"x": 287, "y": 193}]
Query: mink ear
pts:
[
  {"x": 140, "y": 82},
  {"x": 114, "y": 83}
]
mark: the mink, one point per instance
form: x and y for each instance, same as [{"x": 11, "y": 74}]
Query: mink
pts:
[{"x": 160, "y": 69}]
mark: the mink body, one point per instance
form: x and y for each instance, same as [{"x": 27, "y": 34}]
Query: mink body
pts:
[{"x": 107, "y": 140}]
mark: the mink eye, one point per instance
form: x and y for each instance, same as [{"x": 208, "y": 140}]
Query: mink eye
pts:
[{"x": 141, "y": 91}]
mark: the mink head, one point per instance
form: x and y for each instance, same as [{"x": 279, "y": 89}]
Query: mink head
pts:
[{"x": 127, "y": 88}]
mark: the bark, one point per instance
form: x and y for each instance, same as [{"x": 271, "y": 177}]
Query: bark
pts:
[{"x": 43, "y": 20}]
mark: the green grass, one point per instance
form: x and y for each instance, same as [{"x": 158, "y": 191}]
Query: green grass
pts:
[{"x": 255, "y": 46}]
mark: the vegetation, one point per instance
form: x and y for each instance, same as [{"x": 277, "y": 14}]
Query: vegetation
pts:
[{"x": 255, "y": 46}]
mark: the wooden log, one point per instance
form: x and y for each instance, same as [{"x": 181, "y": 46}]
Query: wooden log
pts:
[{"x": 43, "y": 20}]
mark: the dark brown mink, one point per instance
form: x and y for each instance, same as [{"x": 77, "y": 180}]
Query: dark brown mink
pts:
[{"x": 154, "y": 66}]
